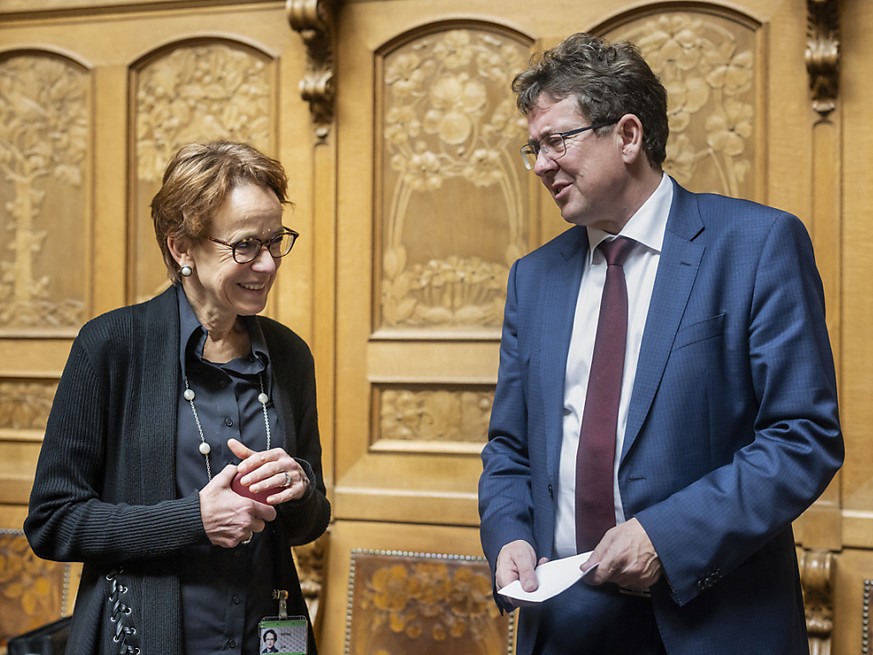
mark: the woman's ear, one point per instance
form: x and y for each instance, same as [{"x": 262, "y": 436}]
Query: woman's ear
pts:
[{"x": 179, "y": 250}]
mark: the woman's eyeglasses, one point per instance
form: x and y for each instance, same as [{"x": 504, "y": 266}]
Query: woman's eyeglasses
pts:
[{"x": 246, "y": 250}]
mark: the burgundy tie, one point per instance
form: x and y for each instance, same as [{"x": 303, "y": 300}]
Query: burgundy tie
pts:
[{"x": 595, "y": 504}]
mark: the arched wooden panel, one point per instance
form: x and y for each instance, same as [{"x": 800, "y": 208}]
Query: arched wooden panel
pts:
[
  {"x": 45, "y": 118},
  {"x": 191, "y": 91},
  {"x": 451, "y": 198}
]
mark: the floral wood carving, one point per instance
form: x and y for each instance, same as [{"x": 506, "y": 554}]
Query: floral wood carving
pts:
[
  {"x": 707, "y": 66},
  {"x": 193, "y": 93},
  {"x": 817, "y": 573},
  {"x": 43, "y": 139},
  {"x": 25, "y": 405},
  {"x": 32, "y": 591},
  {"x": 314, "y": 20},
  {"x": 450, "y": 175},
  {"x": 442, "y": 415},
  {"x": 823, "y": 54},
  {"x": 423, "y": 603},
  {"x": 199, "y": 93}
]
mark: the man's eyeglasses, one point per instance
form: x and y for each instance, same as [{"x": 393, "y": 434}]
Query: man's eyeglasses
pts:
[
  {"x": 552, "y": 145},
  {"x": 247, "y": 250}
]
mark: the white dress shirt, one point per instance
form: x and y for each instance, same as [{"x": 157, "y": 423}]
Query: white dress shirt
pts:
[{"x": 646, "y": 227}]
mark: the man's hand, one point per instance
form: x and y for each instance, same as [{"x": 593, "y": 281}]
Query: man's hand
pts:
[
  {"x": 517, "y": 561},
  {"x": 626, "y": 557}
]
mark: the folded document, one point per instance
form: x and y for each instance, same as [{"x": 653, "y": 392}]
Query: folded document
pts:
[{"x": 553, "y": 577}]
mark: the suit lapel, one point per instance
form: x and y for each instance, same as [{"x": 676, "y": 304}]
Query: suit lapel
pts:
[
  {"x": 557, "y": 312},
  {"x": 677, "y": 270}
]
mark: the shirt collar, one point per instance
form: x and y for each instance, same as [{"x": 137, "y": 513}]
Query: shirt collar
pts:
[
  {"x": 647, "y": 225},
  {"x": 192, "y": 335}
]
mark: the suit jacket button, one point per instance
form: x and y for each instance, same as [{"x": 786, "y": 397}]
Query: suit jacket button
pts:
[{"x": 550, "y": 491}]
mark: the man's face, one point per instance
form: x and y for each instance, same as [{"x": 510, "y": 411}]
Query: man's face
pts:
[{"x": 587, "y": 181}]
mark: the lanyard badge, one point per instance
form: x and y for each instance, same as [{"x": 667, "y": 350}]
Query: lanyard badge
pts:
[{"x": 283, "y": 634}]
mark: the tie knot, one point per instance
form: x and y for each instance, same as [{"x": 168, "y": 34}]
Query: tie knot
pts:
[{"x": 616, "y": 250}]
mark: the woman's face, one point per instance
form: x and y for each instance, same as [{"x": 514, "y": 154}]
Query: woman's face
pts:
[{"x": 220, "y": 289}]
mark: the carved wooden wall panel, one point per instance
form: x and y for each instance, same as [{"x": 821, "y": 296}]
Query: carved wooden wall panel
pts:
[
  {"x": 192, "y": 92},
  {"x": 709, "y": 66},
  {"x": 44, "y": 130},
  {"x": 452, "y": 201},
  {"x": 25, "y": 404},
  {"x": 425, "y": 420},
  {"x": 449, "y": 213}
]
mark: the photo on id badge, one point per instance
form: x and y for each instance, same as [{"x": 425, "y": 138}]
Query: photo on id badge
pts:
[{"x": 284, "y": 636}]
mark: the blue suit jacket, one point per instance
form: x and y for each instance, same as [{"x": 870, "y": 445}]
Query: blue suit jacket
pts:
[{"x": 733, "y": 427}]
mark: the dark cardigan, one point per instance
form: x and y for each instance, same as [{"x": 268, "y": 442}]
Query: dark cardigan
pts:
[{"x": 105, "y": 488}]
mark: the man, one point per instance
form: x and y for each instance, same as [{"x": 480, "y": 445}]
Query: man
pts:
[{"x": 721, "y": 415}]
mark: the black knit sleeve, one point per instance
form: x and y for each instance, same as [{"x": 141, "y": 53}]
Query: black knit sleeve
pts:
[{"x": 81, "y": 508}]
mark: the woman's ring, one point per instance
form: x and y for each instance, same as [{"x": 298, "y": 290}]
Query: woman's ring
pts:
[
  {"x": 249, "y": 540},
  {"x": 288, "y": 480}
]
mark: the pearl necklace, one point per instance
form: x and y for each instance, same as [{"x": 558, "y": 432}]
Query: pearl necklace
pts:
[{"x": 205, "y": 448}]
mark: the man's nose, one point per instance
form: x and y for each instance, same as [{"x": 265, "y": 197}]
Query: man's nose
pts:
[{"x": 544, "y": 164}]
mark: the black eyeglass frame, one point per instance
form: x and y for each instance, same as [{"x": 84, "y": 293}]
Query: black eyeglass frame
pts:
[
  {"x": 268, "y": 244},
  {"x": 530, "y": 151}
]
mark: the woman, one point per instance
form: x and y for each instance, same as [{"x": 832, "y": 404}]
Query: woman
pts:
[
  {"x": 270, "y": 642},
  {"x": 170, "y": 414}
]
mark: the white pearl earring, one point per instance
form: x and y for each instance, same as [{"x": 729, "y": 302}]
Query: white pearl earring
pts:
[{"x": 186, "y": 271}]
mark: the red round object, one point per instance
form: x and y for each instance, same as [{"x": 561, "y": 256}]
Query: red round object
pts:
[{"x": 260, "y": 496}]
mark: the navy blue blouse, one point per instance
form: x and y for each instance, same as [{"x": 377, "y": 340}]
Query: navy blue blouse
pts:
[{"x": 225, "y": 592}]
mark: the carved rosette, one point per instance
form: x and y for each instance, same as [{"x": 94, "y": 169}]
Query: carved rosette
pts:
[
  {"x": 817, "y": 574},
  {"x": 707, "y": 65},
  {"x": 43, "y": 140},
  {"x": 314, "y": 21},
  {"x": 823, "y": 54}
]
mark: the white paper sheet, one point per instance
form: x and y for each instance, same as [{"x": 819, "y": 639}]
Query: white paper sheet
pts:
[{"x": 553, "y": 577}]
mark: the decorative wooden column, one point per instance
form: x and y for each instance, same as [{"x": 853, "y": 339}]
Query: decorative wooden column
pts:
[
  {"x": 314, "y": 21},
  {"x": 817, "y": 574},
  {"x": 822, "y": 530},
  {"x": 823, "y": 54}
]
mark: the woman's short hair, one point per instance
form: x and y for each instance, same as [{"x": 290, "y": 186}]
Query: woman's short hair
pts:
[
  {"x": 608, "y": 80},
  {"x": 196, "y": 183}
]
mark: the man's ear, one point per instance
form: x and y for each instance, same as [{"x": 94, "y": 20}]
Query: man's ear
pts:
[{"x": 630, "y": 130}]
